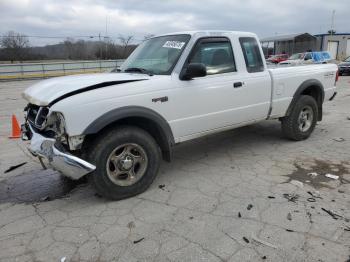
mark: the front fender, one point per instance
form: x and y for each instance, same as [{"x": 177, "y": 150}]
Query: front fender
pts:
[{"x": 154, "y": 121}]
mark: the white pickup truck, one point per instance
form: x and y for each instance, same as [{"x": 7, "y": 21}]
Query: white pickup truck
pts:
[{"x": 173, "y": 88}]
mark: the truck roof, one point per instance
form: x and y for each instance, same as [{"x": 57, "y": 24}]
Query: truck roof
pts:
[{"x": 211, "y": 32}]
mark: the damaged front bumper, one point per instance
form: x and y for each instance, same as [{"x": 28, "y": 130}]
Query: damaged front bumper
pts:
[{"x": 50, "y": 156}]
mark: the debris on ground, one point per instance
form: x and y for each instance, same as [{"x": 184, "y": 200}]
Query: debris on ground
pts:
[
  {"x": 63, "y": 259},
  {"x": 339, "y": 139},
  {"x": 297, "y": 183},
  {"x": 11, "y": 168},
  {"x": 289, "y": 230},
  {"x": 289, "y": 216},
  {"x": 263, "y": 242},
  {"x": 348, "y": 118},
  {"x": 314, "y": 194},
  {"x": 311, "y": 199},
  {"x": 161, "y": 187},
  {"x": 291, "y": 197},
  {"x": 313, "y": 174},
  {"x": 332, "y": 176},
  {"x": 347, "y": 228},
  {"x": 271, "y": 197},
  {"x": 264, "y": 257},
  {"x": 239, "y": 214},
  {"x": 306, "y": 173},
  {"x": 191, "y": 218},
  {"x": 249, "y": 207},
  {"x": 139, "y": 240},
  {"x": 332, "y": 214},
  {"x": 246, "y": 240},
  {"x": 341, "y": 191}
]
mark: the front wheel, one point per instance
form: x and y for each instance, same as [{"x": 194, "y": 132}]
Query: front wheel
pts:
[
  {"x": 302, "y": 119},
  {"x": 127, "y": 160}
]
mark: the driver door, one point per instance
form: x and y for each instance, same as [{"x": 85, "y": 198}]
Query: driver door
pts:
[{"x": 207, "y": 103}]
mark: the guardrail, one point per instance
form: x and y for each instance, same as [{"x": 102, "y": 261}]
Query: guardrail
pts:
[{"x": 45, "y": 70}]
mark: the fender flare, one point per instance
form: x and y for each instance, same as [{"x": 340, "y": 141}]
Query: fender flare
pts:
[
  {"x": 166, "y": 138},
  {"x": 307, "y": 84}
]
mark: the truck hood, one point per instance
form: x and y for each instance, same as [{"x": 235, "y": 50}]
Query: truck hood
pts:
[{"x": 49, "y": 91}]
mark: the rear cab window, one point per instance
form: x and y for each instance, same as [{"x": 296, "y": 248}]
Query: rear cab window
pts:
[{"x": 252, "y": 54}]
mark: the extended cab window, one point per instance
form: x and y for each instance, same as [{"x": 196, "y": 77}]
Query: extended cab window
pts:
[
  {"x": 252, "y": 55},
  {"x": 216, "y": 54}
]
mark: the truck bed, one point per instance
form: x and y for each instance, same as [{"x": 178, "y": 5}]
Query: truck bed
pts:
[{"x": 286, "y": 80}]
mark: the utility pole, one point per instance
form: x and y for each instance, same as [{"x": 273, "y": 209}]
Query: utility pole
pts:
[
  {"x": 332, "y": 24},
  {"x": 99, "y": 45},
  {"x": 106, "y": 38}
]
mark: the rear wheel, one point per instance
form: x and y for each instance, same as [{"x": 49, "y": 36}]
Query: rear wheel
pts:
[
  {"x": 302, "y": 119},
  {"x": 127, "y": 160}
]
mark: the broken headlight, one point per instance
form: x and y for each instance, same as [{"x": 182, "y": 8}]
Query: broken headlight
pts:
[
  {"x": 37, "y": 115},
  {"x": 55, "y": 123}
]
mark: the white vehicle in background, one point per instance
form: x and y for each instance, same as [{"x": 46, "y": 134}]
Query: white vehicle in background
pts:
[
  {"x": 173, "y": 88},
  {"x": 322, "y": 57}
]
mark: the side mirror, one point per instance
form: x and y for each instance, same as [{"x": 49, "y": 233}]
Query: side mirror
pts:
[{"x": 194, "y": 70}]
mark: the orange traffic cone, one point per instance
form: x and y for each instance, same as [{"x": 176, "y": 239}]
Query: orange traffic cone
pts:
[{"x": 16, "y": 130}]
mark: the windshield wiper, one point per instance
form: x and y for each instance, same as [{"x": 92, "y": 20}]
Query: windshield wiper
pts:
[{"x": 139, "y": 69}]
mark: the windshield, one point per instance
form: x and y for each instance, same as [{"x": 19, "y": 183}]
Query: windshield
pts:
[
  {"x": 347, "y": 60},
  {"x": 157, "y": 55},
  {"x": 296, "y": 56}
]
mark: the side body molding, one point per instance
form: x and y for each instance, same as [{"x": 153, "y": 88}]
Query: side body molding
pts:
[
  {"x": 311, "y": 84},
  {"x": 139, "y": 116}
]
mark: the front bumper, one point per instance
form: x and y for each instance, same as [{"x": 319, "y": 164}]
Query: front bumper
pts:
[{"x": 50, "y": 156}]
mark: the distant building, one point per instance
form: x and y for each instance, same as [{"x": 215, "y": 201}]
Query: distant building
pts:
[
  {"x": 288, "y": 44},
  {"x": 337, "y": 44}
]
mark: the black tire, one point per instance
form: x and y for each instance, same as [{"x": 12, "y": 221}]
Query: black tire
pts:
[
  {"x": 101, "y": 149},
  {"x": 291, "y": 125}
]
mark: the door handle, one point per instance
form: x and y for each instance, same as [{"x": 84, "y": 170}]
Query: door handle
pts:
[{"x": 237, "y": 84}]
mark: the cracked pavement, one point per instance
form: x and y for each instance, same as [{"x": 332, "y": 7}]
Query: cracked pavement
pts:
[{"x": 221, "y": 199}]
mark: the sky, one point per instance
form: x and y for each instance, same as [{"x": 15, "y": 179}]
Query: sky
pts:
[{"x": 72, "y": 18}]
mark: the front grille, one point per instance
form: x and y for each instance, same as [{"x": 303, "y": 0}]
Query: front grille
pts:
[{"x": 37, "y": 115}]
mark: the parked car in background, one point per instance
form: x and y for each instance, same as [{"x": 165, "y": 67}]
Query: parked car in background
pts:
[
  {"x": 322, "y": 57},
  {"x": 344, "y": 67},
  {"x": 294, "y": 59},
  {"x": 275, "y": 59}
]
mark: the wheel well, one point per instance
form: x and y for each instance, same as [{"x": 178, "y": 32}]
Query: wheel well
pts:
[
  {"x": 316, "y": 93},
  {"x": 165, "y": 143}
]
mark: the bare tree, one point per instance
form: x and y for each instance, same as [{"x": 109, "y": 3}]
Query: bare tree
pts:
[
  {"x": 69, "y": 47},
  {"x": 125, "y": 41},
  {"x": 75, "y": 49},
  {"x": 15, "y": 45}
]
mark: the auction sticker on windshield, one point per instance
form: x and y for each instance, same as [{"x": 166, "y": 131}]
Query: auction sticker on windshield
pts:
[{"x": 174, "y": 44}]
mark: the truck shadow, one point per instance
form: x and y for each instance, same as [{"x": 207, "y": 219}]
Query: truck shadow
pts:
[{"x": 37, "y": 186}]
